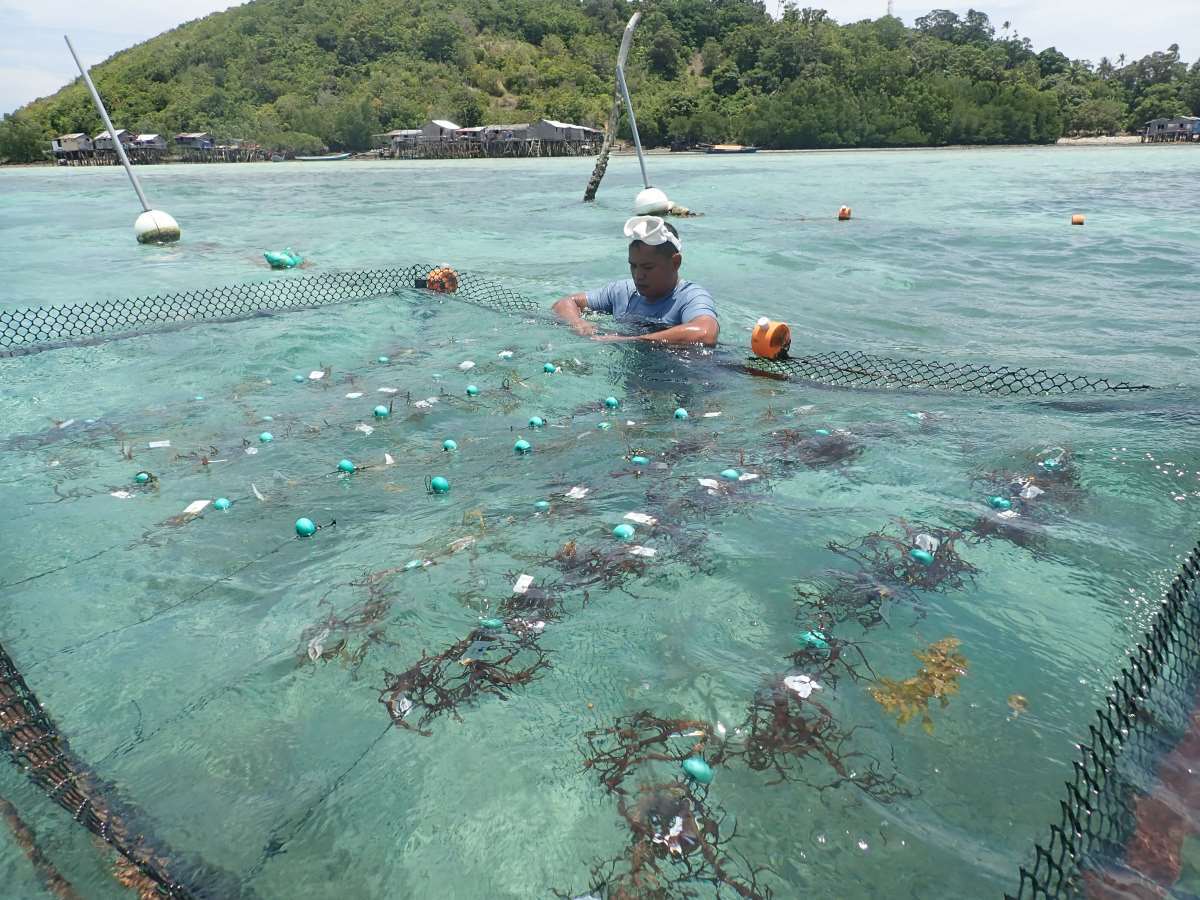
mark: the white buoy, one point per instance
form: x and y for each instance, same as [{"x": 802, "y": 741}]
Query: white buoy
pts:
[
  {"x": 153, "y": 226},
  {"x": 156, "y": 227},
  {"x": 651, "y": 202}
]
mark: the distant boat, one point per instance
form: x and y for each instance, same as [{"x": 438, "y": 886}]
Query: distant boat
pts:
[
  {"x": 730, "y": 148},
  {"x": 275, "y": 157},
  {"x": 330, "y": 157}
]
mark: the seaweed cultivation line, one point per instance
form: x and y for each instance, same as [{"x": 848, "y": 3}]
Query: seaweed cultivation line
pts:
[
  {"x": 34, "y": 744},
  {"x": 148, "y": 481},
  {"x": 41, "y": 328},
  {"x": 1106, "y": 821}
]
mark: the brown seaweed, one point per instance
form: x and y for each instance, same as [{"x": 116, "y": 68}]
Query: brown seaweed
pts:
[
  {"x": 786, "y": 726},
  {"x": 802, "y": 447},
  {"x": 888, "y": 557},
  {"x": 482, "y": 663},
  {"x": 941, "y": 668},
  {"x": 488, "y": 661},
  {"x": 675, "y": 834}
]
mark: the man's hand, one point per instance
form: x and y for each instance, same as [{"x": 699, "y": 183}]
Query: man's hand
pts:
[
  {"x": 583, "y": 328},
  {"x": 612, "y": 338}
]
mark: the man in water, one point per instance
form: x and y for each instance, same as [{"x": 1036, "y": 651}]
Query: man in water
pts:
[{"x": 677, "y": 311}]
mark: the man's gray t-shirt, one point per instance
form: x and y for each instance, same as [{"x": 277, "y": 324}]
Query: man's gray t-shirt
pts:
[{"x": 621, "y": 298}]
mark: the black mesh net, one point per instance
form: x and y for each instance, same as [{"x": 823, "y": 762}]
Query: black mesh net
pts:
[
  {"x": 1148, "y": 712},
  {"x": 854, "y": 369},
  {"x": 44, "y": 327},
  {"x": 32, "y": 741}
]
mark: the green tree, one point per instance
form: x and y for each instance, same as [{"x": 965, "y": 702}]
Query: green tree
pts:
[
  {"x": 726, "y": 79},
  {"x": 22, "y": 139},
  {"x": 470, "y": 110},
  {"x": 1097, "y": 116},
  {"x": 355, "y": 125},
  {"x": 711, "y": 55},
  {"x": 1052, "y": 62},
  {"x": 666, "y": 52},
  {"x": 1158, "y": 101},
  {"x": 440, "y": 39}
]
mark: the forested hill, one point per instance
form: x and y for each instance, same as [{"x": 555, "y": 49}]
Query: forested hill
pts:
[{"x": 301, "y": 74}]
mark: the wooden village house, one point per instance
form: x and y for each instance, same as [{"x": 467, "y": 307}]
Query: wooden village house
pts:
[
  {"x": 103, "y": 141},
  {"x": 72, "y": 146},
  {"x": 1172, "y": 130},
  {"x": 194, "y": 140}
]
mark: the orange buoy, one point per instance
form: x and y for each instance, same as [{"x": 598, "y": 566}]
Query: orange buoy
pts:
[
  {"x": 844, "y": 214},
  {"x": 1077, "y": 219},
  {"x": 770, "y": 340},
  {"x": 443, "y": 279}
]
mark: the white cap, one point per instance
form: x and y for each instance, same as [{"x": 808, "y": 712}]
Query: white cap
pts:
[{"x": 651, "y": 202}]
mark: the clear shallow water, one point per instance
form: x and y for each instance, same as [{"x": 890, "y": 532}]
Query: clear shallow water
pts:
[{"x": 175, "y": 659}]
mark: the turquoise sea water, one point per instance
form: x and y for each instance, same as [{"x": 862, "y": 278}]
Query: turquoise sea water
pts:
[{"x": 175, "y": 657}]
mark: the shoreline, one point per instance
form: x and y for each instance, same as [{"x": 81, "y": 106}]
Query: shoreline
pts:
[{"x": 1122, "y": 140}]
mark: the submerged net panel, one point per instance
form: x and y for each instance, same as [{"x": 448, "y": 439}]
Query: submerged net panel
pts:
[
  {"x": 43, "y": 327},
  {"x": 33, "y": 743},
  {"x": 1149, "y": 710},
  {"x": 855, "y": 369}
]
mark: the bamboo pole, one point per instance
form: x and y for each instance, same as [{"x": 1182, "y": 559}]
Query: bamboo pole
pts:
[{"x": 614, "y": 116}]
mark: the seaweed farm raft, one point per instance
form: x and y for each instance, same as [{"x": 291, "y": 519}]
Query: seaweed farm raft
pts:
[{"x": 440, "y": 139}]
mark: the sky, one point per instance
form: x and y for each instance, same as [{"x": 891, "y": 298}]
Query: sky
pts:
[{"x": 34, "y": 61}]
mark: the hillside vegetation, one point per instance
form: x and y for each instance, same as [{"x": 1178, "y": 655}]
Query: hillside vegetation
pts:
[{"x": 302, "y": 74}]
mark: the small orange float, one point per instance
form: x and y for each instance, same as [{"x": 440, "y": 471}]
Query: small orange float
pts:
[
  {"x": 1077, "y": 219},
  {"x": 443, "y": 279},
  {"x": 770, "y": 340},
  {"x": 844, "y": 214}
]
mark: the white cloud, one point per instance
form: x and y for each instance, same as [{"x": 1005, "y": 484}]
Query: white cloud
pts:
[
  {"x": 1082, "y": 29},
  {"x": 34, "y": 60},
  {"x": 19, "y": 85},
  {"x": 143, "y": 17}
]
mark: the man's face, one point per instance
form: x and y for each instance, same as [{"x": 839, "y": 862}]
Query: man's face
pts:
[{"x": 654, "y": 273}]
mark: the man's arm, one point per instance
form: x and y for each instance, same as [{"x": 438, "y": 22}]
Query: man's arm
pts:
[
  {"x": 700, "y": 330},
  {"x": 570, "y": 310}
]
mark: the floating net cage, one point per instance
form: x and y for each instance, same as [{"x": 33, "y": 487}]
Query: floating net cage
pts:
[
  {"x": 34, "y": 744},
  {"x": 44, "y": 327},
  {"x": 1149, "y": 711}
]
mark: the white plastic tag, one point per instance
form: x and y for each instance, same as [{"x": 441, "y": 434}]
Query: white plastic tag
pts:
[
  {"x": 522, "y": 584},
  {"x": 641, "y": 518},
  {"x": 639, "y": 550},
  {"x": 195, "y": 506},
  {"x": 158, "y": 445}
]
